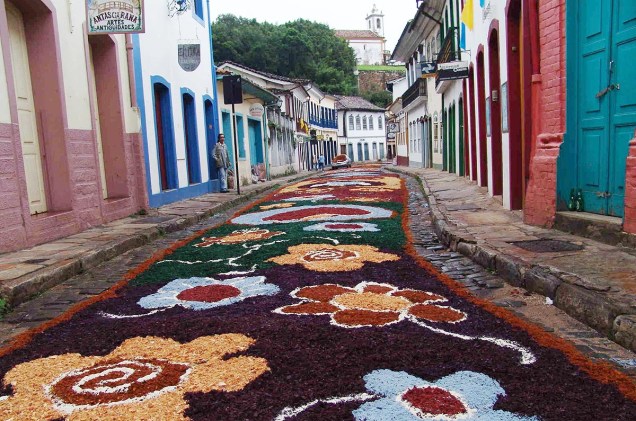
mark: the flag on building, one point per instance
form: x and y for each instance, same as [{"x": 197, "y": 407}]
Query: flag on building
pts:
[{"x": 468, "y": 14}]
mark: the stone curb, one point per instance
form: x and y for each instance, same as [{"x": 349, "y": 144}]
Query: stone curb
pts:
[
  {"x": 24, "y": 288},
  {"x": 593, "y": 303}
]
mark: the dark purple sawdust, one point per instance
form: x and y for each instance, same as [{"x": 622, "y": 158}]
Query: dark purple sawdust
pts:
[{"x": 311, "y": 359}]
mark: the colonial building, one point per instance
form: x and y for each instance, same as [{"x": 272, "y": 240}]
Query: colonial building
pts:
[
  {"x": 247, "y": 129},
  {"x": 418, "y": 48},
  {"x": 369, "y": 43},
  {"x": 177, "y": 102},
  {"x": 313, "y": 112},
  {"x": 361, "y": 129},
  {"x": 71, "y": 152}
]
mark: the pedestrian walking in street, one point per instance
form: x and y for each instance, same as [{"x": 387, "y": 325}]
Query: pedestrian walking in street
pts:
[
  {"x": 314, "y": 163},
  {"x": 222, "y": 161},
  {"x": 321, "y": 162}
]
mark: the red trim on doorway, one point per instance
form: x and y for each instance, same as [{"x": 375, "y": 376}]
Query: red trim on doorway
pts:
[
  {"x": 465, "y": 126},
  {"x": 481, "y": 101},
  {"x": 516, "y": 166},
  {"x": 473, "y": 129},
  {"x": 495, "y": 108}
]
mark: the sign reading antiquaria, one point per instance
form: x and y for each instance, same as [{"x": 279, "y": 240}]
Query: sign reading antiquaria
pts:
[{"x": 115, "y": 17}]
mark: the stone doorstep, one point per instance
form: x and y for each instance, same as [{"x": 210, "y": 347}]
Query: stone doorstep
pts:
[
  {"x": 23, "y": 288},
  {"x": 608, "y": 312}
]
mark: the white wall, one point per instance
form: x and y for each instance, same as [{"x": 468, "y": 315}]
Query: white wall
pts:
[
  {"x": 5, "y": 109},
  {"x": 158, "y": 49},
  {"x": 368, "y": 51},
  {"x": 479, "y": 36}
]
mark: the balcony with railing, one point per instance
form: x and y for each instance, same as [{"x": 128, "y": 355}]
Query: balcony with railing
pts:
[
  {"x": 415, "y": 91},
  {"x": 449, "y": 50}
]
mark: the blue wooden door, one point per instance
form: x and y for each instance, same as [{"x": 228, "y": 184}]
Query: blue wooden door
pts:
[
  {"x": 256, "y": 142},
  {"x": 606, "y": 101},
  {"x": 622, "y": 99}
]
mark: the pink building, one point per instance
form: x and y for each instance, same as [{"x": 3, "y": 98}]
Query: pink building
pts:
[{"x": 71, "y": 154}]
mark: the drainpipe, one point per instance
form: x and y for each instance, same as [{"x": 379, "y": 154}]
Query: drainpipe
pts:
[{"x": 131, "y": 71}]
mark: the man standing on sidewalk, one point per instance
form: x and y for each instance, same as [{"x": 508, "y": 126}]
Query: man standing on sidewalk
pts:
[{"x": 222, "y": 161}]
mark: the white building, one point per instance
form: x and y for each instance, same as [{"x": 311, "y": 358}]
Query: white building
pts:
[
  {"x": 420, "y": 142},
  {"x": 361, "y": 129},
  {"x": 173, "y": 67},
  {"x": 368, "y": 44}
]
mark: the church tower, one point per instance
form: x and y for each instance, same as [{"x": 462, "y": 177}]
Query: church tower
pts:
[{"x": 375, "y": 21}]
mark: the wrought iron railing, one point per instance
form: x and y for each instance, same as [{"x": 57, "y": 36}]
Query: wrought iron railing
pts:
[
  {"x": 416, "y": 90},
  {"x": 449, "y": 50}
]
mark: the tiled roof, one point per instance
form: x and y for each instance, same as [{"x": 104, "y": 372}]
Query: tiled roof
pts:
[
  {"x": 356, "y": 34},
  {"x": 355, "y": 103},
  {"x": 268, "y": 75}
]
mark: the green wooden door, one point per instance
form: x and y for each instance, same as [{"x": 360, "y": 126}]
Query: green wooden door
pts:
[{"x": 606, "y": 101}]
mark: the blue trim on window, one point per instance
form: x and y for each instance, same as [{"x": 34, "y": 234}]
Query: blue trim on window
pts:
[
  {"x": 197, "y": 11},
  {"x": 190, "y": 132},
  {"x": 240, "y": 131},
  {"x": 210, "y": 140},
  {"x": 168, "y": 133},
  {"x": 229, "y": 136}
]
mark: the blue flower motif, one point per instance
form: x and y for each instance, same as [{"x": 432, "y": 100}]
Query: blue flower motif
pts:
[
  {"x": 464, "y": 395},
  {"x": 207, "y": 293}
]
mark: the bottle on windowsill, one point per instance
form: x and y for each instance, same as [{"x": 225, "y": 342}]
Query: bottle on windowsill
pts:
[{"x": 572, "y": 201}]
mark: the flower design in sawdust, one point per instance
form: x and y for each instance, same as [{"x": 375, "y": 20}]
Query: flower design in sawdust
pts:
[
  {"x": 311, "y": 198},
  {"x": 372, "y": 183},
  {"x": 277, "y": 206},
  {"x": 313, "y": 213},
  {"x": 239, "y": 236},
  {"x": 370, "y": 304},
  {"x": 464, "y": 395},
  {"x": 207, "y": 293},
  {"x": 331, "y": 258},
  {"x": 143, "y": 378},
  {"x": 343, "y": 227}
]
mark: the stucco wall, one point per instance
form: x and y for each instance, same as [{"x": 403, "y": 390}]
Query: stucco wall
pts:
[{"x": 158, "y": 55}]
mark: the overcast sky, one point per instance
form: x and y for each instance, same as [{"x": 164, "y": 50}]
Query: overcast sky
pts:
[{"x": 338, "y": 14}]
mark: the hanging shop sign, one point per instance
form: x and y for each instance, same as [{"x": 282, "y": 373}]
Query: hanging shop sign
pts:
[
  {"x": 115, "y": 17},
  {"x": 393, "y": 127},
  {"x": 189, "y": 56},
  {"x": 428, "y": 68},
  {"x": 256, "y": 110},
  {"x": 452, "y": 70}
]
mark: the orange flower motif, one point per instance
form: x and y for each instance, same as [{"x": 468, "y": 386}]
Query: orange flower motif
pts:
[
  {"x": 277, "y": 206},
  {"x": 240, "y": 236},
  {"x": 370, "y": 304},
  {"x": 143, "y": 378},
  {"x": 330, "y": 258}
]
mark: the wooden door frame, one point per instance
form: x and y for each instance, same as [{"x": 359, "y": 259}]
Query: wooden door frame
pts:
[
  {"x": 481, "y": 101},
  {"x": 494, "y": 62},
  {"x": 516, "y": 162}
]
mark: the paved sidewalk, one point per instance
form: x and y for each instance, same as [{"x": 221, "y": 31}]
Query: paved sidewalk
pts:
[
  {"x": 593, "y": 282},
  {"x": 26, "y": 273}
]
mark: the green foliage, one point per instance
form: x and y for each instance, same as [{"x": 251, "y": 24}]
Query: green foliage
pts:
[
  {"x": 379, "y": 98},
  {"x": 299, "y": 49},
  {"x": 383, "y": 68}
]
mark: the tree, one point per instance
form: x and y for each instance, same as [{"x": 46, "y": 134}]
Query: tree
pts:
[{"x": 300, "y": 49}]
